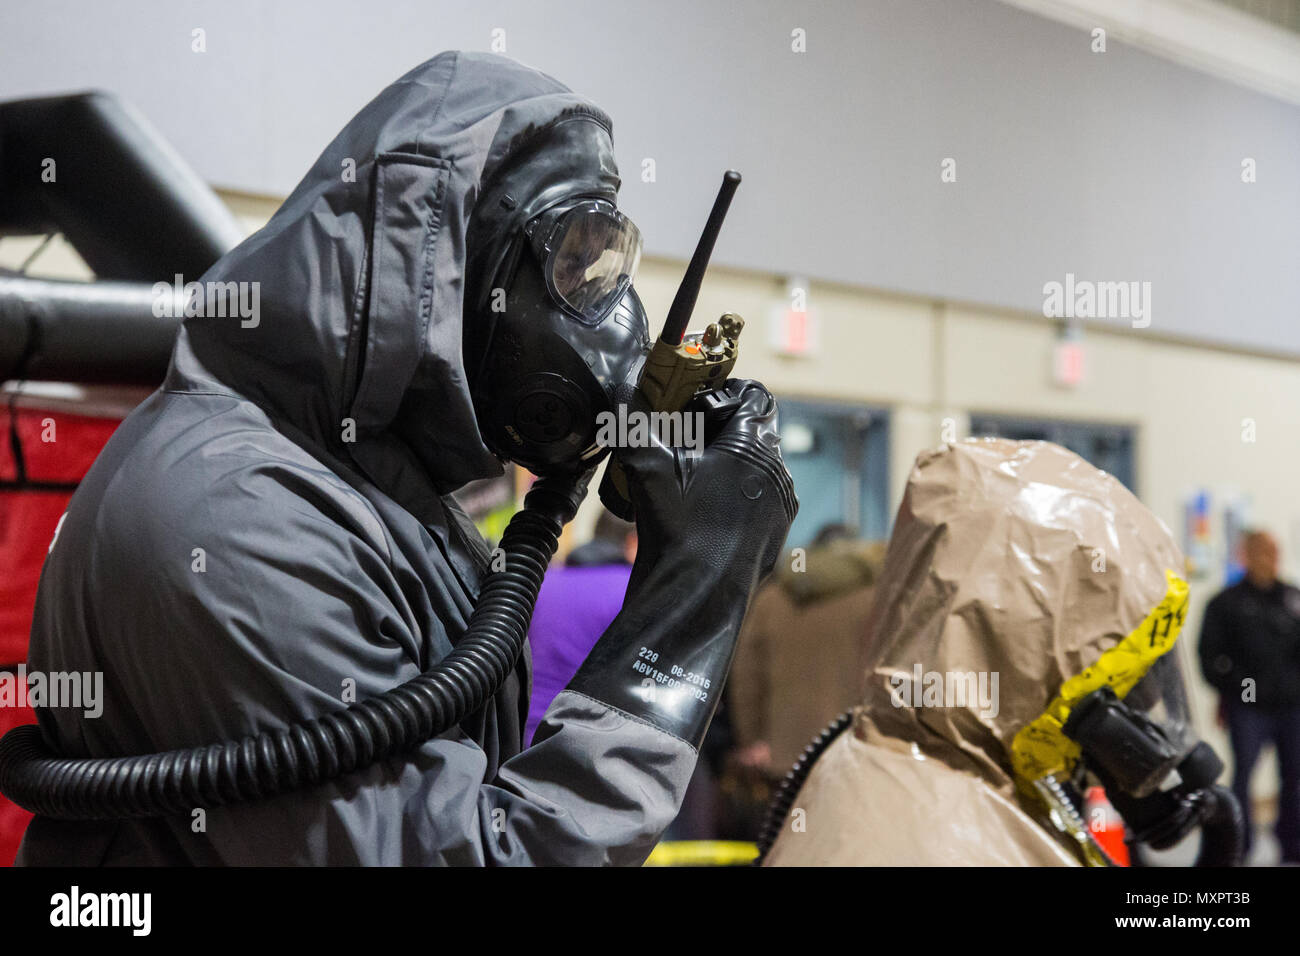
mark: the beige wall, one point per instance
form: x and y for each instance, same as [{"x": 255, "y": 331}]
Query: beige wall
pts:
[{"x": 927, "y": 361}]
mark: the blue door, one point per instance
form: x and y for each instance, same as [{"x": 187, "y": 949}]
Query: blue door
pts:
[{"x": 838, "y": 456}]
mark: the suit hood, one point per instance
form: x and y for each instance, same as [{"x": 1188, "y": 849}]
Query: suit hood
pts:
[
  {"x": 1017, "y": 564},
  {"x": 360, "y": 275}
]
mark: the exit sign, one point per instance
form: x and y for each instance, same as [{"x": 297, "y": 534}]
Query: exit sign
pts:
[
  {"x": 1068, "y": 363},
  {"x": 793, "y": 332}
]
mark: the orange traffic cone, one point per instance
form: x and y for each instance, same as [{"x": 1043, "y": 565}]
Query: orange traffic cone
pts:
[{"x": 1106, "y": 825}]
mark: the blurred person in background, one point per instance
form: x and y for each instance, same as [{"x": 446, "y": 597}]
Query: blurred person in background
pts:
[
  {"x": 575, "y": 606},
  {"x": 799, "y": 663},
  {"x": 1250, "y": 653},
  {"x": 613, "y": 543}
]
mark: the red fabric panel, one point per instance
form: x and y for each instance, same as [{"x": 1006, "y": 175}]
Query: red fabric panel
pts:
[
  {"x": 13, "y": 819},
  {"x": 8, "y": 470},
  {"x": 59, "y": 447},
  {"x": 27, "y": 523}
]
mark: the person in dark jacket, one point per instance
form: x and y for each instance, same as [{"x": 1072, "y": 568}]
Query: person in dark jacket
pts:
[
  {"x": 1250, "y": 652},
  {"x": 271, "y": 534}
]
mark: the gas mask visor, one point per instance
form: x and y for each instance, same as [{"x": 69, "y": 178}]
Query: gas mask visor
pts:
[{"x": 589, "y": 253}]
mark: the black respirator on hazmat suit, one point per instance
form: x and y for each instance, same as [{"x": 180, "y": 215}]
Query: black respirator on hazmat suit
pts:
[
  {"x": 553, "y": 328},
  {"x": 1156, "y": 774},
  {"x": 1123, "y": 721}
]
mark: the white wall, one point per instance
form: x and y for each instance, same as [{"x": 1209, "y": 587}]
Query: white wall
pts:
[{"x": 1115, "y": 166}]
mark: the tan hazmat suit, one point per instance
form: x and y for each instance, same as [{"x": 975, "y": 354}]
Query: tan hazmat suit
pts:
[{"x": 1013, "y": 566}]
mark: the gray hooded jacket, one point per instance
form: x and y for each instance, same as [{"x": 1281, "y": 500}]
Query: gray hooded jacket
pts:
[{"x": 269, "y": 533}]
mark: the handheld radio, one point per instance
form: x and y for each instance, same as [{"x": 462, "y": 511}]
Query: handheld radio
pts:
[{"x": 683, "y": 365}]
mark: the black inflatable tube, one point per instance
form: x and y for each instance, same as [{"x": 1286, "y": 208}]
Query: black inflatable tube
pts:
[
  {"x": 85, "y": 332},
  {"x": 90, "y": 166}
]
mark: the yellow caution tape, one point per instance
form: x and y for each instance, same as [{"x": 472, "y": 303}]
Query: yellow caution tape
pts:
[
  {"x": 703, "y": 853},
  {"x": 1041, "y": 747}
]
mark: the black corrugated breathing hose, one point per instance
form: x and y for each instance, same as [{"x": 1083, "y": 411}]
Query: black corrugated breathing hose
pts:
[{"x": 311, "y": 752}]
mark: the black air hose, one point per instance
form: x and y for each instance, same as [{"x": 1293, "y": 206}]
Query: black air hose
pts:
[
  {"x": 311, "y": 752},
  {"x": 1223, "y": 830},
  {"x": 793, "y": 783}
]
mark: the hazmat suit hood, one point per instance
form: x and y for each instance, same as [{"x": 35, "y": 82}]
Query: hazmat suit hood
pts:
[
  {"x": 361, "y": 274},
  {"x": 1013, "y": 566},
  {"x": 1018, "y": 559}
]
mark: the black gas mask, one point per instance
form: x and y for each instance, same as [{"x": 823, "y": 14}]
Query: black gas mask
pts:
[
  {"x": 1159, "y": 779},
  {"x": 553, "y": 326}
]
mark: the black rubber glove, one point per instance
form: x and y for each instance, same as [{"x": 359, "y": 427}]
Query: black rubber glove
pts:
[{"x": 710, "y": 527}]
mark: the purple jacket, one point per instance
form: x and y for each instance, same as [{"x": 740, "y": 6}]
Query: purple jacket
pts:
[{"x": 574, "y": 608}]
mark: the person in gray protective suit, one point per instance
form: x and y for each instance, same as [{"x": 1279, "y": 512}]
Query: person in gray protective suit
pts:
[{"x": 270, "y": 536}]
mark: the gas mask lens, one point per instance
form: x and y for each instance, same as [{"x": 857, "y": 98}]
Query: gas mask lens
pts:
[
  {"x": 1161, "y": 696},
  {"x": 589, "y": 253}
]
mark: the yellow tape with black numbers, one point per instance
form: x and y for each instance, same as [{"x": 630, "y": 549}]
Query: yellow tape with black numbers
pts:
[{"x": 1041, "y": 747}]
